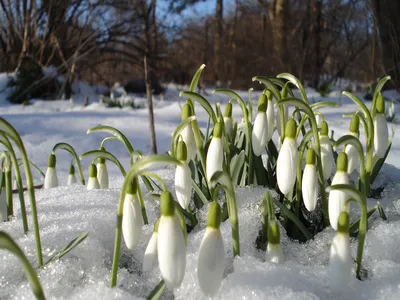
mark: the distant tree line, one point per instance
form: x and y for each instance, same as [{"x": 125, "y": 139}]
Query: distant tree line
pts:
[{"x": 103, "y": 41}]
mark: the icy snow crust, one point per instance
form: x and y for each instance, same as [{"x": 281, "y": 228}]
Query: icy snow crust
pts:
[{"x": 84, "y": 273}]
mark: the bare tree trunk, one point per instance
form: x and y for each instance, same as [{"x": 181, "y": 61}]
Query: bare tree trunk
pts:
[
  {"x": 218, "y": 39},
  {"x": 374, "y": 47},
  {"x": 317, "y": 16},
  {"x": 233, "y": 41},
  {"x": 387, "y": 14},
  {"x": 206, "y": 42},
  {"x": 281, "y": 10},
  {"x": 153, "y": 141}
]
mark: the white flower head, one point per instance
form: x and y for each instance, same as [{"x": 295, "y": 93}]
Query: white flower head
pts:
[
  {"x": 274, "y": 250},
  {"x": 228, "y": 121},
  {"x": 183, "y": 185},
  {"x": 50, "y": 179},
  {"x": 337, "y": 198},
  {"x": 93, "y": 182},
  {"x": 259, "y": 135},
  {"x": 132, "y": 220},
  {"x": 211, "y": 262},
  {"x": 381, "y": 132},
  {"x": 102, "y": 173},
  {"x": 340, "y": 262},
  {"x": 327, "y": 159},
  {"x": 286, "y": 165},
  {"x": 150, "y": 255},
  {"x": 310, "y": 181},
  {"x": 270, "y": 116},
  {"x": 171, "y": 247},
  {"x": 187, "y": 133},
  {"x": 351, "y": 151},
  {"x": 71, "y": 175},
  {"x": 215, "y": 153}
]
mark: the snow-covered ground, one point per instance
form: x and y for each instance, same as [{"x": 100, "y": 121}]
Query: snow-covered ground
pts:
[{"x": 65, "y": 212}]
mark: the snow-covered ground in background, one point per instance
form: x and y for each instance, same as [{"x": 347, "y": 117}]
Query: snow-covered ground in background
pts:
[{"x": 84, "y": 273}]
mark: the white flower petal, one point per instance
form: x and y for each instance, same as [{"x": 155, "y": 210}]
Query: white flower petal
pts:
[
  {"x": 310, "y": 187},
  {"x": 215, "y": 157},
  {"x": 274, "y": 253},
  {"x": 132, "y": 221},
  {"x": 71, "y": 179},
  {"x": 150, "y": 254},
  {"x": 340, "y": 263},
  {"x": 102, "y": 175},
  {"x": 286, "y": 166},
  {"x": 93, "y": 183},
  {"x": 337, "y": 198},
  {"x": 326, "y": 156},
  {"x": 188, "y": 138},
  {"x": 211, "y": 263},
  {"x": 171, "y": 250},
  {"x": 228, "y": 126},
  {"x": 260, "y": 133},
  {"x": 270, "y": 119},
  {"x": 50, "y": 179},
  {"x": 381, "y": 136},
  {"x": 183, "y": 185},
  {"x": 353, "y": 158}
]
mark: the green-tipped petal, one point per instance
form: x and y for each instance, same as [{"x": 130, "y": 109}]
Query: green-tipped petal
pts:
[
  {"x": 324, "y": 128},
  {"x": 214, "y": 215},
  {"x": 342, "y": 162},
  {"x": 132, "y": 187},
  {"x": 228, "y": 110},
  {"x": 51, "y": 162},
  {"x": 217, "y": 133},
  {"x": 291, "y": 128},
  {"x": 167, "y": 204},
  {"x": 262, "y": 103},
  {"x": 355, "y": 124},
  {"x": 92, "y": 170},
  {"x": 380, "y": 104},
  {"x": 181, "y": 152},
  {"x": 310, "y": 157}
]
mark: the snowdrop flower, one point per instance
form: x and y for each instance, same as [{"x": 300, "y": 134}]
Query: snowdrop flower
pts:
[
  {"x": 171, "y": 247},
  {"x": 286, "y": 165},
  {"x": 71, "y": 175},
  {"x": 338, "y": 198},
  {"x": 93, "y": 182},
  {"x": 270, "y": 116},
  {"x": 132, "y": 220},
  {"x": 351, "y": 151},
  {"x": 259, "y": 135},
  {"x": 150, "y": 254},
  {"x": 228, "y": 121},
  {"x": 3, "y": 199},
  {"x": 102, "y": 173},
  {"x": 211, "y": 263},
  {"x": 187, "y": 133},
  {"x": 274, "y": 250},
  {"x": 215, "y": 153},
  {"x": 50, "y": 179},
  {"x": 326, "y": 151},
  {"x": 340, "y": 262},
  {"x": 183, "y": 185},
  {"x": 310, "y": 181},
  {"x": 381, "y": 136}
]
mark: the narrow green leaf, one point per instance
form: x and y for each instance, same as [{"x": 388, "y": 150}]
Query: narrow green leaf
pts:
[
  {"x": 323, "y": 104},
  {"x": 381, "y": 211},
  {"x": 196, "y": 78},
  {"x": 71, "y": 245},
  {"x": 378, "y": 89},
  {"x": 377, "y": 164},
  {"x": 157, "y": 292},
  {"x": 269, "y": 84},
  {"x": 199, "y": 192},
  {"x": 115, "y": 132},
  {"x": 106, "y": 155},
  {"x": 71, "y": 150},
  {"x": 236, "y": 166},
  {"x": 296, "y": 83},
  {"x": 202, "y": 101},
  {"x": 20, "y": 162}
]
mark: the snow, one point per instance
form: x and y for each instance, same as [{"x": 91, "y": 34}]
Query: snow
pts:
[{"x": 84, "y": 273}]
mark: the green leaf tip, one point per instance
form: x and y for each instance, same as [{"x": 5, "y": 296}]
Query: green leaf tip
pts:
[
  {"x": 167, "y": 204},
  {"x": 310, "y": 156},
  {"x": 181, "y": 152},
  {"x": 343, "y": 222},
  {"x": 214, "y": 215},
  {"x": 51, "y": 162},
  {"x": 342, "y": 162},
  {"x": 273, "y": 233},
  {"x": 291, "y": 128}
]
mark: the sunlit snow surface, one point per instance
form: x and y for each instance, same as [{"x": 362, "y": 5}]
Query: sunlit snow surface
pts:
[{"x": 84, "y": 273}]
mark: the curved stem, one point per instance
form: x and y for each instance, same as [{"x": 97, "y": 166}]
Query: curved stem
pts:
[
  {"x": 109, "y": 138},
  {"x": 71, "y": 150},
  {"x": 106, "y": 155},
  {"x": 118, "y": 134}
]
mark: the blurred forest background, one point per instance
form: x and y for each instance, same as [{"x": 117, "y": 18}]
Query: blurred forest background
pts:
[{"x": 104, "y": 41}]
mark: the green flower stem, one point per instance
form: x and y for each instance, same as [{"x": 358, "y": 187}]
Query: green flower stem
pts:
[
  {"x": 223, "y": 178},
  {"x": 177, "y": 133},
  {"x": 8, "y": 130},
  {"x": 250, "y": 104},
  {"x": 142, "y": 205},
  {"x": 306, "y": 109},
  {"x": 296, "y": 82},
  {"x": 6, "y": 142},
  {"x": 156, "y": 177},
  {"x": 9, "y": 194},
  {"x": 362, "y": 201},
  {"x": 7, "y": 243},
  {"x": 141, "y": 166},
  {"x": 349, "y": 139},
  {"x": 245, "y": 114},
  {"x": 115, "y": 132},
  {"x": 203, "y": 102},
  {"x": 226, "y": 137},
  {"x": 106, "y": 155},
  {"x": 378, "y": 89},
  {"x": 363, "y": 121},
  {"x": 20, "y": 162},
  {"x": 322, "y": 104},
  {"x": 109, "y": 138},
  {"x": 71, "y": 150},
  {"x": 181, "y": 220}
]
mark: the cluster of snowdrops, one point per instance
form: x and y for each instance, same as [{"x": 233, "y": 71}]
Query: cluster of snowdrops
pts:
[{"x": 208, "y": 166}]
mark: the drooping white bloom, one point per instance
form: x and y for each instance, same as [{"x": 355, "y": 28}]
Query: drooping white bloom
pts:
[
  {"x": 270, "y": 119},
  {"x": 183, "y": 185},
  {"x": 102, "y": 175},
  {"x": 381, "y": 136},
  {"x": 211, "y": 263},
  {"x": 71, "y": 179},
  {"x": 340, "y": 262},
  {"x": 274, "y": 250},
  {"x": 338, "y": 198},
  {"x": 228, "y": 121},
  {"x": 187, "y": 133},
  {"x": 171, "y": 247},
  {"x": 93, "y": 182},
  {"x": 326, "y": 151},
  {"x": 286, "y": 165},
  {"x": 353, "y": 157},
  {"x": 132, "y": 221},
  {"x": 310, "y": 182},
  {"x": 150, "y": 255},
  {"x": 215, "y": 153},
  {"x": 260, "y": 133},
  {"x": 50, "y": 179}
]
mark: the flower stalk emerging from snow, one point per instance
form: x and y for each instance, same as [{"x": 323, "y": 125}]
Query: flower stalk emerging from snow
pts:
[
  {"x": 381, "y": 136},
  {"x": 102, "y": 173},
  {"x": 228, "y": 121},
  {"x": 132, "y": 220},
  {"x": 93, "y": 182},
  {"x": 171, "y": 246},
  {"x": 270, "y": 116},
  {"x": 71, "y": 175},
  {"x": 274, "y": 250},
  {"x": 51, "y": 180},
  {"x": 183, "y": 185},
  {"x": 338, "y": 198},
  {"x": 150, "y": 255},
  {"x": 310, "y": 181},
  {"x": 326, "y": 151},
  {"x": 211, "y": 262},
  {"x": 351, "y": 151},
  {"x": 259, "y": 135},
  {"x": 3, "y": 199},
  {"x": 340, "y": 262},
  {"x": 215, "y": 153},
  {"x": 287, "y": 159},
  {"x": 187, "y": 133}
]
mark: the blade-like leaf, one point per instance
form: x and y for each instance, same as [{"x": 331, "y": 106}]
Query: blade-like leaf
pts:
[
  {"x": 71, "y": 150},
  {"x": 157, "y": 292},
  {"x": 377, "y": 164},
  {"x": 115, "y": 132},
  {"x": 74, "y": 243},
  {"x": 196, "y": 78},
  {"x": 296, "y": 83}
]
